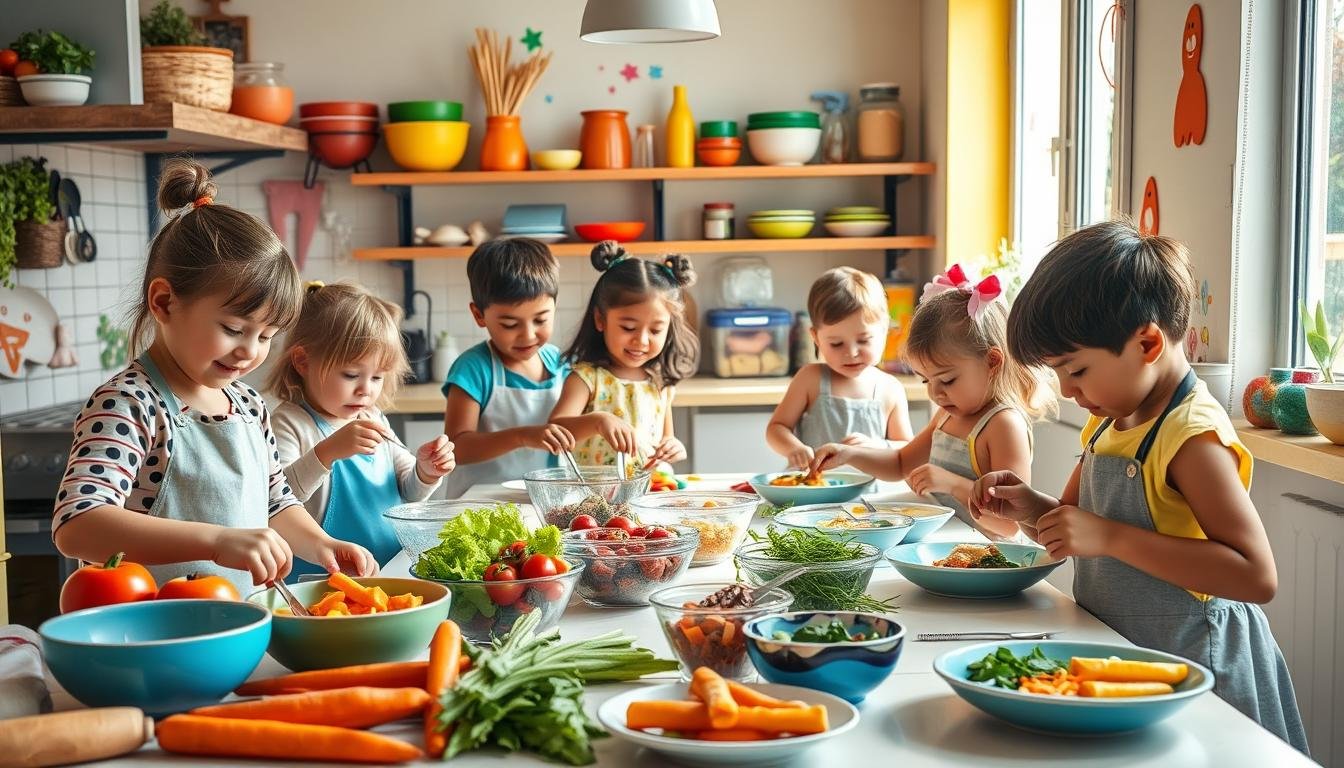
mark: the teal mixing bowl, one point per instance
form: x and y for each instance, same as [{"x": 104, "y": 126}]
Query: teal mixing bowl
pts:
[
  {"x": 163, "y": 656},
  {"x": 841, "y": 485},
  {"x": 915, "y": 563}
]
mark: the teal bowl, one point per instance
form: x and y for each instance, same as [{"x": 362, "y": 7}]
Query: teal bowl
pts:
[
  {"x": 163, "y": 656},
  {"x": 1070, "y": 715},
  {"x": 840, "y": 486},
  {"x": 850, "y": 670},
  {"x": 814, "y": 518},
  {"x": 915, "y": 563},
  {"x": 321, "y": 642},
  {"x": 424, "y": 111}
]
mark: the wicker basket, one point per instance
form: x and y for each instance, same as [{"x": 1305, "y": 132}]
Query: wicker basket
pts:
[
  {"x": 10, "y": 95},
  {"x": 186, "y": 74},
  {"x": 39, "y": 245}
]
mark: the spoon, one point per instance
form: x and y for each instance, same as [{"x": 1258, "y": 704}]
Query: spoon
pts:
[
  {"x": 743, "y": 595},
  {"x": 572, "y": 463},
  {"x": 295, "y": 607},
  {"x": 85, "y": 246}
]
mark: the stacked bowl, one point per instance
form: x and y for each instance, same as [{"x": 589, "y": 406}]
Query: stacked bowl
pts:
[
  {"x": 783, "y": 138},
  {"x": 780, "y": 223},
  {"x": 340, "y": 133},
  {"x": 857, "y": 221},
  {"x": 426, "y": 135},
  {"x": 719, "y": 143}
]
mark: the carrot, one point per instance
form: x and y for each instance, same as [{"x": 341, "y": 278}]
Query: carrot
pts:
[
  {"x": 711, "y": 623},
  {"x": 729, "y": 629},
  {"x": 339, "y": 609},
  {"x": 358, "y": 593},
  {"x": 733, "y": 734},
  {"x": 329, "y": 600},
  {"x": 694, "y": 634},
  {"x": 402, "y": 602},
  {"x": 747, "y": 696},
  {"x": 1057, "y": 683},
  {"x": 358, "y": 707},
  {"x": 1115, "y": 670},
  {"x": 709, "y": 687},
  {"x": 223, "y": 737},
  {"x": 445, "y": 654},
  {"x": 379, "y": 599},
  {"x": 796, "y": 720},
  {"x": 1100, "y": 689},
  {"x": 394, "y": 674},
  {"x": 669, "y": 715}
]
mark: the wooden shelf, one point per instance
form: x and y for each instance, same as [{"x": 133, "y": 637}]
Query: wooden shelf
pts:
[
  {"x": 654, "y": 247},
  {"x": 153, "y": 128},
  {"x": 1313, "y": 455},
  {"x": 743, "y": 172}
]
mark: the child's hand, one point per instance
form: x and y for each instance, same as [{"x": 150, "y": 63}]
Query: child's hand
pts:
[
  {"x": 1070, "y": 531},
  {"x": 435, "y": 459},
  {"x": 801, "y": 457},
  {"x": 1003, "y": 494},
  {"x": 548, "y": 437},
  {"x": 259, "y": 551},
  {"x": 670, "y": 450},
  {"x": 858, "y": 440},
  {"x": 345, "y": 556},
  {"x": 829, "y": 456},
  {"x": 360, "y": 436},
  {"x": 618, "y": 433},
  {"x": 929, "y": 479}
]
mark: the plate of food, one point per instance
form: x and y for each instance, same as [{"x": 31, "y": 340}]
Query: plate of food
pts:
[
  {"x": 795, "y": 488},
  {"x": 1073, "y": 688},
  {"x": 714, "y": 722},
  {"x": 847, "y": 520},
  {"x": 972, "y": 569}
]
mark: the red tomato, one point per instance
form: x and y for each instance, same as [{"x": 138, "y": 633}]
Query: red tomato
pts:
[
  {"x": 551, "y": 590},
  {"x": 624, "y": 523},
  {"x": 199, "y": 586},
  {"x": 639, "y": 532},
  {"x": 583, "y": 523},
  {"x": 515, "y": 551},
  {"x": 112, "y": 582},
  {"x": 8, "y": 59},
  {"x": 25, "y": 68},
  {"x": 539, "y": 566},
  {"x": 658, "y": 533},
  {"x": 502, "y": 594}
]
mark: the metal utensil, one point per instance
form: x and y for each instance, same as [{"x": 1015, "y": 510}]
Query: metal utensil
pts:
[
  {"x": 572, "y": 463},
  {"x": 935, "y": 636},
  {"x": 620, "y": 465},
  {"x": 295, "y": 607},
  {"x": 745, "y": 594},
  {"x": 85, "y": 246}
]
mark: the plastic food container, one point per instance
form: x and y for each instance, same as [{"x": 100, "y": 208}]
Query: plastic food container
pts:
[{"x": 748, "y": 342}]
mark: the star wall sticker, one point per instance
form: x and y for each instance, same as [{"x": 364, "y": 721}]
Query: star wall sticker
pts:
[
  {"x": 629, "y": 72},
  {"x": 655, "y": 72},
  {"x": 532, "y": 39}
]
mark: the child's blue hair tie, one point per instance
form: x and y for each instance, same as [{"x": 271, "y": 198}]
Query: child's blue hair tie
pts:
[{"x": 670, "y": 274}]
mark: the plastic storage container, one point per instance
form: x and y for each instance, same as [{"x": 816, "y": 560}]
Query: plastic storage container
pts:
[{"x": 748, "y": 342}]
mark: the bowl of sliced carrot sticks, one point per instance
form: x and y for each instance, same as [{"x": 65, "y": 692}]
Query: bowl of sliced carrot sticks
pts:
[
  {"x": 354, "y": 621},
  {"x": 1073, "y": 688},
  {"x": 715, "y": 722}
]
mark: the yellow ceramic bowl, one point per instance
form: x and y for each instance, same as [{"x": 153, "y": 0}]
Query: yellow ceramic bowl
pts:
[
  {"x": 427, "y": 146},
  {"x": 780, "y": 229},
  {"x": 556, "y": 159}
]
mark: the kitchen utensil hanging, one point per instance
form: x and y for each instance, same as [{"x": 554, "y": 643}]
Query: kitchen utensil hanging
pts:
[{"x": 79, "y": 243}]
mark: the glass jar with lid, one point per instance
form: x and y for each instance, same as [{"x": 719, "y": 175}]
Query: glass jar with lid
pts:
[
  {"x": 881, "y": 123},
  {"x": 261, "y": 93}
]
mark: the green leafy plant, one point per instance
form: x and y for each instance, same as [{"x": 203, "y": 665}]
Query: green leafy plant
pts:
[
  {"x": 167, "y": 24},
  {"x": 24, "y": 196},
  {"x": 114, "y": 339},
  {"x": 1318, "y": 340},
  {"x": 53, "y": 53}
]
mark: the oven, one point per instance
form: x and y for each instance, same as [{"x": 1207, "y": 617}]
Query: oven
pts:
[{"x": 34, "y": 447}]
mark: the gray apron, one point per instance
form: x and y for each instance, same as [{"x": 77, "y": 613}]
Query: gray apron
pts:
[
  {"x": 218, "y": 473},
  {"x": 957, "y": 455},
  {"x": 832, "y": 419},
  {"x": 1231, "y": 638}
]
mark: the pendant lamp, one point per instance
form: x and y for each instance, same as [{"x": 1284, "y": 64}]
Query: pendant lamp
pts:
[{"x": 649, "y": 21}]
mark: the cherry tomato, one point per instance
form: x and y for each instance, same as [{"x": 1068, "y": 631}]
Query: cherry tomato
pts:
[
  {"x": 8, "y": 58},
  {"x": 658, "y": 533},
  {"x": 639, "y": 532},
  {"x": 560, "y": 565},
  {"x": 551, "y": 590},
  {"x": 583, "y": 523},
  {"x": 503, "y": 594},
  {"x": 515, "y": 551},
  {"x": 198, "y": 586},
  {"x": 624, "y": 523},
  {"x": 539, "y": 566},
  {"x": 112, "y": 582},
  {"x": 25, "y": 68}
]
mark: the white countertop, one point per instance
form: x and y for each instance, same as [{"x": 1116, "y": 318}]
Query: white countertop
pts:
[{"x": 913, "y": 719}]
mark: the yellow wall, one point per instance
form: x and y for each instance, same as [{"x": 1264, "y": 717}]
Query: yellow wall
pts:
[{"x": 979, "y": 127}]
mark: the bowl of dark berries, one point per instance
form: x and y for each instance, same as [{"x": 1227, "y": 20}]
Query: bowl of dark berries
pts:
[{"x": 624, "y": 562}]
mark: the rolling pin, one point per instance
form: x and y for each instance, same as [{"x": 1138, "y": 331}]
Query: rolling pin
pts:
[{"x": 77, "y": 736}]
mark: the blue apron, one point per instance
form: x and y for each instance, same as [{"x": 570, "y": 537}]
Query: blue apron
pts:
[
  {"x": 832, "y": 419},
  {"x": 362, "y": 487}
]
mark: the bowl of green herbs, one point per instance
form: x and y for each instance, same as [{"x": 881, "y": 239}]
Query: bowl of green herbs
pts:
[{"x": 842, "y": 586}]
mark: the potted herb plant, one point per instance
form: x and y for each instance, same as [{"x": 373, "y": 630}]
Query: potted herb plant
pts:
[
  {"x": 176, "y": 66},
  {"x": 26, "y": 237},
  {"x": 51, "y": 69},
  {"x": 1325, "y": 399}
]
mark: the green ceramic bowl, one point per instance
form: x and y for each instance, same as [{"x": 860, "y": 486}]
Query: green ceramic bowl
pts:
[
  {"x": 800, "y": 119},
  {"x": 424, "y": 111},
  {"x": 718, "y": 129},
  {"x": 317, "y": 642}
]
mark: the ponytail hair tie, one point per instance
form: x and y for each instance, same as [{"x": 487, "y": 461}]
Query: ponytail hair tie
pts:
[
  {"x": 314, "y": 285},
  {"x": 202, "y": 200}
]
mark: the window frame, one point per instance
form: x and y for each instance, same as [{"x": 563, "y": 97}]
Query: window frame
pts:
[{"x": 1304, "y": 41}]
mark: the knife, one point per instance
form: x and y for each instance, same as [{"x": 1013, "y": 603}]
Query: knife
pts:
[{"x": 934, "y": 636}]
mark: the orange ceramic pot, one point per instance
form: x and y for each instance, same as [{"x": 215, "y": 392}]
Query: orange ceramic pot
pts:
[
  {"x": 267, "y": 103},
  {"x": 605, "y": 139},
  {"x": 503, "y": 148}
]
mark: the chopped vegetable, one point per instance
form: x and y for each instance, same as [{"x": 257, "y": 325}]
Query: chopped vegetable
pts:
[
  {"x": 1101, "y": 689},
  {"x": 350, "y": 598},
  {"x": 975, "y": 556},
  {"x": 1117, "y": 670},
  {"x": 747, "y": 696},
  {"x": 1006, "y": 670},
  {"x": 222, "y": 737},
  {"x": 358, "y": 707},
  {"x": 709, "y": 687},
  {"x": 668, "y": 715},
  {"x": 834, "y": 632},
  {"x": 757, "y": 716},
  {"x": 470, "y": 542}
]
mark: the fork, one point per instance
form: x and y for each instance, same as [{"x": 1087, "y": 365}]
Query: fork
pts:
[
  {"x": 295, "y": 607},
  {"x": 932, "y": 636}
]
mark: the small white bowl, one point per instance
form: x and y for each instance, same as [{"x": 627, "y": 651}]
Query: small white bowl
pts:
[
  {"x": 857, "y": 228},
  {"x": 783, "y": 146},
  {"x": 1325, "y": 405},
  {"x": 55, "y": 90}
]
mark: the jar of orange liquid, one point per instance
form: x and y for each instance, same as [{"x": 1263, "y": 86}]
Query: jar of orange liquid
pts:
[{"x": 260, "y": 92}]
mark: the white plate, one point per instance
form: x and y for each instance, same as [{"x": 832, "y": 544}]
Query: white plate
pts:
[
  {"x": 856, "y": 228},
  {"x": 514, "y": 485},
  {"x": 840, "y": 714}
]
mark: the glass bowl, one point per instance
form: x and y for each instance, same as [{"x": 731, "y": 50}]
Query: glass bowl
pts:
[
  {"x": 849, "y": 577},
  {"x": 418, "y": 523},
  {"x": 486, "y": 610},
  {"x": 624, "y": 572},
  {"x": 722, "y": 517},
  {"x": 557, "y": 494},
  {"x": 711, "y": 637}
]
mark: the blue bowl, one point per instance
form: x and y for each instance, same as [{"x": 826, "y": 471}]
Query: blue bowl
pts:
[
  {"x": 915, "y": 563},
  {"x": 928, "y": 517},
  {"x": 840, "y": 486},
  {"x": 1070, "y": 715},
  {"x": 811, "y": 517},
  {"x": 849, "y": 670},
  {"x": 163, "y": 656}
]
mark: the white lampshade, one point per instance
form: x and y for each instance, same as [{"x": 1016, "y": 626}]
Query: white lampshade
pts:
[{"x": 649, "y": 21}]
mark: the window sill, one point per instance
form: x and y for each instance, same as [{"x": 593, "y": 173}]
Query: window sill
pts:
[{"x": 1312, "y": 455}]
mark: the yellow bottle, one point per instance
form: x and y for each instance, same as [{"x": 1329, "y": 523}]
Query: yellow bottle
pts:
[{"x": 680, "y": 131}]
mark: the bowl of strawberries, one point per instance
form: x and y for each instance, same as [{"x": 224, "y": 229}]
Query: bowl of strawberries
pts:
[{"x": 624, "y": 562}]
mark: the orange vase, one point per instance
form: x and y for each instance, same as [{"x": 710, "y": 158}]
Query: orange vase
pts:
[
  {"x": 503, "y": 148},
  {"x": 605, "y": 139}
]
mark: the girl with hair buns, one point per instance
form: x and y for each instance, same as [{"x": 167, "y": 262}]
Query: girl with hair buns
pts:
[
  {"x": 633, "y": 347},
  {"x": 174, "y": 461}
]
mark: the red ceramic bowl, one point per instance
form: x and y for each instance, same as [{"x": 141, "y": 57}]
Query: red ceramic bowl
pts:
[
  {"x": 718, "y": 155},
  {"x": 720, "y": 142},
  {"x": 342, "y": 150},
  {"x": 338, "y": 108},
  {"x": 334, "y": 124},
  {"x": 620, "y": 231}
]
